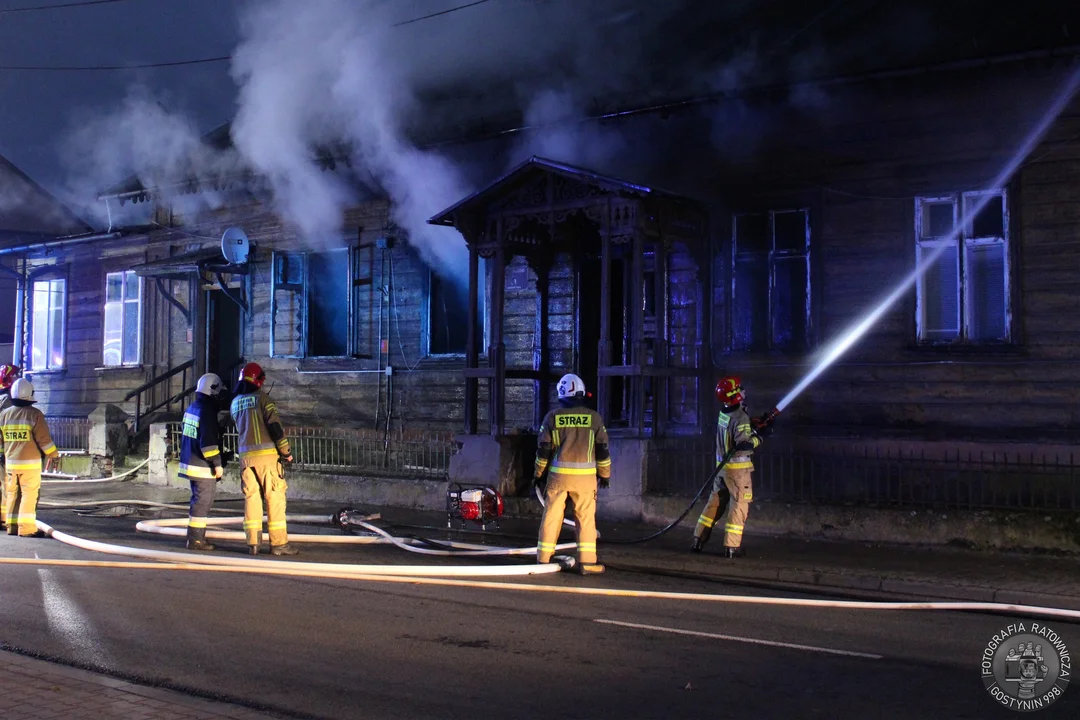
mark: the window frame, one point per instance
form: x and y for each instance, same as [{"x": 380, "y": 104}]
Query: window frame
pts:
[
  {"x": 963, "y": 238},
  {"x": 771, "y": 259},
  {"x": 50, "y": 275},
  {"x": 357, "y": 288},
  {"x": 123, "y": 315},
  {"x": 484, "y": 309}
]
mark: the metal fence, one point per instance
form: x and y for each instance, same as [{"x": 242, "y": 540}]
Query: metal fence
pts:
[
  {"x": 873, "y": 478},
  {"x": 420, "y": 454},
  {"x": 70, "y": 433}
]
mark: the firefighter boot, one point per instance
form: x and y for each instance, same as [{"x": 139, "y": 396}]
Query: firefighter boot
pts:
[
  {"x": 697, "y": 546},
  {"x": 196, "y": 539},
  {"x": 285, "y": 549},
  {"x": 733, "y": 552},
  {"x": 253, "y": 549},
  {"x": 590, "y": 568}
]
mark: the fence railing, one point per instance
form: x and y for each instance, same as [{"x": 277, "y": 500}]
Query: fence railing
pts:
[
  {"x": 861, "y": 476},
  {"x": 70, "y": 433},
  {"x": 421, "y": 454}
]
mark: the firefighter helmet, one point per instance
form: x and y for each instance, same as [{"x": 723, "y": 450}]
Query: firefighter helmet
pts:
[
  {"x": 729, "y": 391},
  {"x": 570, "y": 385},
  {"x": 8, "y": 375},
  {"x": 22, "y": 389},
  {"x": 253, "y": 373},
  {"x": 209, "y": 384}
]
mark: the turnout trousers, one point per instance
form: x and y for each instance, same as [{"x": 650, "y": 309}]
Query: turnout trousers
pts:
[
  {"x": 23, "y": 487},
  {"x": 3, "y": 498},
  {"x": 203, "y": 492},
  {"x": 738, "y": 492},
  {"x": 261, "y": 481},
  {"x": 581, "y": 490}
]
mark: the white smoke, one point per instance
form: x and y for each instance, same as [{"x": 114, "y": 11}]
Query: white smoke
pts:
[
  {"x": 142, "y": 137},
  {"x": 561, "y": 135},
  {"x": 320, "y": 73}
]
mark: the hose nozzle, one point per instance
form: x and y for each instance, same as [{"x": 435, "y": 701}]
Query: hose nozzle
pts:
[{"x": 760, "y": 423}]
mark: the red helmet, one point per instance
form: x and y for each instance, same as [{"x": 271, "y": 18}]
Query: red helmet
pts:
[
  {"x": 729, "y": 391},
  {"x": 8, "y": 375},
  {"x": 253, "y": 373}
]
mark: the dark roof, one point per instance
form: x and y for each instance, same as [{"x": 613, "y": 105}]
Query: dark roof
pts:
[
  {"x": 484, "y": 195},
  {"x": 725, "y": 49},
  {"x": 29, "y": 212}
]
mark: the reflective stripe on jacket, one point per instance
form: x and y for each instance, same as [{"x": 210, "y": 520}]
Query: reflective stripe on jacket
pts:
[
  {"x": 258, "y": 426},
  {"x": 731, "y": 430},
  {"x": 575, "y": 442},
  {"x": 199, "y": 446},
  {"x": 24, "y": 437}
]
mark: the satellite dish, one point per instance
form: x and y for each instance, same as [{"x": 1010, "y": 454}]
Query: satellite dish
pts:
[{"x": 235, "y": 246}]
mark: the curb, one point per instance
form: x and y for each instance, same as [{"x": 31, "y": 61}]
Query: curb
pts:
[{"x": 845, "y": 581}]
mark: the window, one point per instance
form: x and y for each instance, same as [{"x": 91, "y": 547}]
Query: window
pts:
[
  {"x": 964, "y": 295},
  {"x": 771, "y": 281},
  {"x": 287, "y": 306},
  {"x": 448, "y": 312},
  {"x": 322, "y": 304},
  {"x": 47, "y": 329},
  {"x": 123, "y": 315}
]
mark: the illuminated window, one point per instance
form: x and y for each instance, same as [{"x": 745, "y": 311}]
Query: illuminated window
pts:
[
  {"x": 964, "y": 295},
  {"x": 770, "y": 307},
  {"x": 123, "y": 313},
  {"x": 49, "y": 304}
]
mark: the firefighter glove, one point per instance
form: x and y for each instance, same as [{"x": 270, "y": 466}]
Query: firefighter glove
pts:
[
  {"x": 538, "y": 482},
  {"x": 604, "y": 482}
]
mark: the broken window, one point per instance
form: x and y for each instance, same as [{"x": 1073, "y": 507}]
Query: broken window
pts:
[
  {"x": 964, "y": 294},
  {"x": 448, "y": 312},
  {"x": 49, "y": 306},
  {"x": 771, "y": 281},
  {"x": 123, "y": 316},
  {"x": 323, "y": 304}
]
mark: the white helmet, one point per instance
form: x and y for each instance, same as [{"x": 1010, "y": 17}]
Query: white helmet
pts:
[
  {"x": 209, "y": 384},
  {"x": 22, "y": 389},
  {"x": 571, "y": 386}
]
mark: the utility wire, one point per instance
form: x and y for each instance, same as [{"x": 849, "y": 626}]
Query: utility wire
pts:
[
  {"x": 179, "y": 63},
  {"x": 8, "y": 11}
]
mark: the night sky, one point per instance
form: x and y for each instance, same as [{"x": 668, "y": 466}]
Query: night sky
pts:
[{"x": 41, "y": 107}]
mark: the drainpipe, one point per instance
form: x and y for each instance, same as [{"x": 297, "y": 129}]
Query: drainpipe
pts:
[{"x": 62, "y": 242}]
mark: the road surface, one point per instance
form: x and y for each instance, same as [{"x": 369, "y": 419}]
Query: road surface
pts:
[{"x": 348, "y": 649}]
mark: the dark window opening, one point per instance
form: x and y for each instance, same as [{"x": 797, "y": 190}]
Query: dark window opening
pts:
[
  {"x": 448, "y": 331},
  {"x": 287, "y": 332},
  {"x": 328, "y": 304}
]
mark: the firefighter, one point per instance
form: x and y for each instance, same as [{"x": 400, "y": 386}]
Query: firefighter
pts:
[
  {"x": 24, "y": 438},
  {"x": 262, "y": 446},
  {"x": 200, "y": 457},
  {"x": 8, "y": 375},
  {"x": 573, "y": 447},
  {"x": 734, "y": 429}
]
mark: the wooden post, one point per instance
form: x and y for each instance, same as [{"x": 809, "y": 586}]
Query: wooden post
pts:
[
  {"x": 637, "y": 326},
  {"x": 498, "y": 349},
  {"x": 542, "y": 384},
  {"x": 472, "y": 350},
  {"x": 603, "y": 384},
  {"x": 661, "y": 297}
]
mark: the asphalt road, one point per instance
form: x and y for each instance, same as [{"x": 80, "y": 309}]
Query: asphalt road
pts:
[{"x": 348, "y": 649}]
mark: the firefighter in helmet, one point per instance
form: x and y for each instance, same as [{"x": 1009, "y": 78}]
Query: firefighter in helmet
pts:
[
  {"x": 262, "y": 446},
  {"x": 573, "y": 448},
  {"x": 24, "y": 438},
  {"x": 200, "y": 457},
  {"x": 8, "y": 375},
  {"x": 734, "y": 430}
]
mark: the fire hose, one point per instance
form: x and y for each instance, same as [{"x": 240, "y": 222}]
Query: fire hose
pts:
[{"x": 758, "y": 423}]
